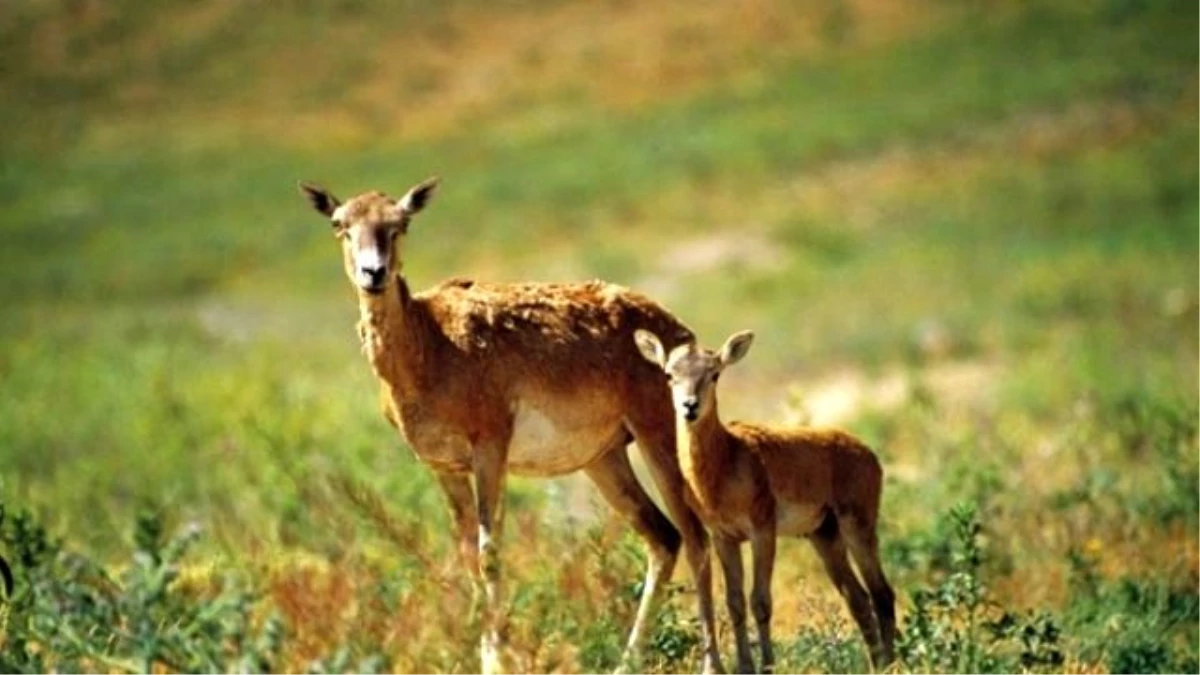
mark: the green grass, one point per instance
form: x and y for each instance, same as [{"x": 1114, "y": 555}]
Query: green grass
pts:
[{"x": 177, "y": 339}]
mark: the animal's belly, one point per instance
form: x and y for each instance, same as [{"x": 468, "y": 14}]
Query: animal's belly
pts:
[
  {"x": 799, "y": 520},
  {"x": 549, "y": 440},
  {"x": 558, "y": 439}
]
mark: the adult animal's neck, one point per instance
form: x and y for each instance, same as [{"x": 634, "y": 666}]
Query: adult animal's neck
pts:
[{"x": 393, "y": 333}]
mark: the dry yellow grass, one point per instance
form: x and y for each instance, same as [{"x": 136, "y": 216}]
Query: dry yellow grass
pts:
[{"x": 440, "y": 70}]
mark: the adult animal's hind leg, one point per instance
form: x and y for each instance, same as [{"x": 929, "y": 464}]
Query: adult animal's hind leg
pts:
[
  {"x": 614, "y": 477},
  {"x": 832, "y": 549},
  {"x": 656, "y": 438},
  {"x": 863, "y": 543},
  {"x": 489, "y": 493}
]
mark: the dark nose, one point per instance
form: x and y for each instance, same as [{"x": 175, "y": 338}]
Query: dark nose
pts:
[
  {"x": 373, "y": 274},
  {"x": 691, "y": 407}
]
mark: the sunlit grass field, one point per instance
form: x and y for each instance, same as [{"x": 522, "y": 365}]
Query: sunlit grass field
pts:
[{"x": 966, "y": 232}]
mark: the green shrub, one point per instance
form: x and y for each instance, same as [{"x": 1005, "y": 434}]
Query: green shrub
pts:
[
  {"x": 958, "y": 627},
  {"x": 1134, "y": 625},
  {"x": 69, "y": 613},
  {"x": 839, "y": 651}
]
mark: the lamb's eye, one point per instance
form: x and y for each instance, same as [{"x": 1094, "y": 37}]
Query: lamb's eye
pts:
[{"x": 716, "y": 376}]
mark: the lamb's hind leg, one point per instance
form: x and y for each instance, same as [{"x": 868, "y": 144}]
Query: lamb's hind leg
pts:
[
  {"x": 832, "y": 549},
  {"x": 614, "y": 477},
  {"x": 762, "y": 544},
  {"x": 863, "y": 542}
]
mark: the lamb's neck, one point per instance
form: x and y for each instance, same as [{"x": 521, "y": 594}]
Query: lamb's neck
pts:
[
  {"x": 705, "y": 455},
  {"x": 393, "y": 340}
]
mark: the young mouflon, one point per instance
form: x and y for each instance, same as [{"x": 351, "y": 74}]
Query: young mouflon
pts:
[{"x": 752, "y": 482}]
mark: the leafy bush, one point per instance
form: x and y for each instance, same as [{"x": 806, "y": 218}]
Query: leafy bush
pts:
[
  {"x": 69, "y": 613},
  {"x": 958, "y": 627},
  {"x": 837, "y": 651},
  {"x": 1136, "y": 625}
]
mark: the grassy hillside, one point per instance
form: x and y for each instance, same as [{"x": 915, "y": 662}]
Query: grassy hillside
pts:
[{"x": 965, "y": 231}]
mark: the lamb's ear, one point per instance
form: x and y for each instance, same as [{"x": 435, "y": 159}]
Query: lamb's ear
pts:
[
  {"x": 416, "y": 198},
  {"x": 736, "y": 347},
  {"x": 650, "y": 347},
  {"x": 320, "y": 199}
]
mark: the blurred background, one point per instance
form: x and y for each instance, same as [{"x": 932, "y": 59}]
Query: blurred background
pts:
[{"x": 964, "y": 230}]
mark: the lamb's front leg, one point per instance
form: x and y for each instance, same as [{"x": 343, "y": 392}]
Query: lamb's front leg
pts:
[
  {"x": 729, "y": 552},
  {"x": 489, "y": 494}
]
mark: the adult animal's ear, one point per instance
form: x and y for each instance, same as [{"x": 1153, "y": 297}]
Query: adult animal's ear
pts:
[
  {"x": 416, "y": 198},
  {"x": 736, "y": 347},
  {"x": 650, "y": 347},
  {"x": 320, "y": 199}
]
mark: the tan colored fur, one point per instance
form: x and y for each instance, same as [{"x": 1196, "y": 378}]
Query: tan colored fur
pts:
[
  {"x": 752, "y": 482},
  {"x": 535, "y": 378},
  {"x": 806, "y": 470},
  {"x": 456, "y": 360}
]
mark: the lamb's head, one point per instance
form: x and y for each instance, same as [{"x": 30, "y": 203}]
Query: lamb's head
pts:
[
  {"x": 371, "y": 228},
  {"x": 692, "y": 371}
]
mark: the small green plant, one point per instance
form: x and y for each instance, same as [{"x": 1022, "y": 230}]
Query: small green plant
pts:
[
  {"x": 674, "y": 639},
  {"x": 70, "y": 613},
  {"x": 1135, "y": 625},
  {"x": 674, "y": 633},
  {"x": 958, "y": 627},
  {"x": 825, "y": 650}
]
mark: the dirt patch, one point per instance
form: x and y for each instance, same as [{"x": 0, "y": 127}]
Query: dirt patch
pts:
[{"x": 839, "y": 397}]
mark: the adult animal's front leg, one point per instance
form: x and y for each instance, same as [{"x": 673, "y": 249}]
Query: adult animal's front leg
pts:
[{"x": 460, "y": 497}]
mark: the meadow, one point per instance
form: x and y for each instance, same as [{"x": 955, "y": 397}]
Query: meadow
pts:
[{"x": 965, "y": 231}]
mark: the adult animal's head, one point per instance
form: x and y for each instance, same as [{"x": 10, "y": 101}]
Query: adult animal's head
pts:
[{"x": 371, "y": 228}]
